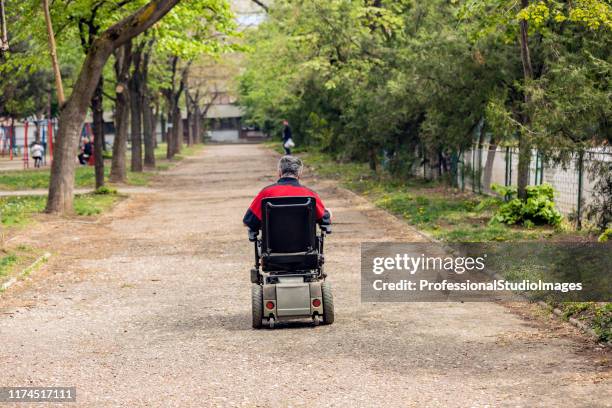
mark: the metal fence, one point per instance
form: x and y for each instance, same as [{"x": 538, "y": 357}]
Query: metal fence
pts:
[
  {"x": 573, "y": 180},
  {"x": 478, "y": 169}
]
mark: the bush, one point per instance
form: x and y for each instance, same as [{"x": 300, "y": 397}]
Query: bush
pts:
[
  {"x": 605, "y": 236},
  {"x": 537, "y": 209},
  {"x": 105, "y": 190}
]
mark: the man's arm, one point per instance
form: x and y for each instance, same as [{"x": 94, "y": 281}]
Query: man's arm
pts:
[
  {"x": 252, "y": 218},
  {"x": 323, "y": 215},
  {"x": 326, "y": 219}
]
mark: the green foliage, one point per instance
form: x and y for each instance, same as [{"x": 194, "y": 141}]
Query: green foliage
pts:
[
  {"x": 19, "y": 211},
  {"x": 420, "y": 209},
  {"x": 105, "y": 190},
  {"x": 410, "y": 79},
  {"x": 602, "y": 321},
  {"x": 538, "y": 208},
  {"x": 605, "y": 236},
  {"x": 189, "y": 30},
  {"x": 6, "y": 262},
  {"x": 93, "y": 204},
  {"x": 442, "y": 212},
  {"x": 597, "y": 315},
  {"x": 39, "y": 179}
]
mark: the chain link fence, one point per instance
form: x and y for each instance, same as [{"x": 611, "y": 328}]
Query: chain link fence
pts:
[{"x": 573, "y": 181}]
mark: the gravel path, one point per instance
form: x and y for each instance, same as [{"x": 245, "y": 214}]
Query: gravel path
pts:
[{"x": 149, "y": 307}]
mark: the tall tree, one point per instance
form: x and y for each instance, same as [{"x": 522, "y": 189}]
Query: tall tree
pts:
[
  {"x": 148, "y": 117},
  {"x": 61, "y": 186},
  {"x": 136, "y": 86},
  {"x": 123, "y": 58},
  {"x": 524, "y": 142},
  {"x": 176, "y": 49}
]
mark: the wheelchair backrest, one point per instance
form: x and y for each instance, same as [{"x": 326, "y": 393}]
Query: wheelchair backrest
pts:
[{"x": 288, "y": 224}]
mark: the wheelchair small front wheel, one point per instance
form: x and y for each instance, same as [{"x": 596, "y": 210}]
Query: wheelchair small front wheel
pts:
[
  {"x": 257, "y": 305},
  {"x": 328, "y": 303}
]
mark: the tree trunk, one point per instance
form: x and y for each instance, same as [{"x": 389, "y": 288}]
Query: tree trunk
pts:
[
  {"x": 148, "y": 121},
  {"x": 122, "y": 113},
  {"x": 372, "y": 159},
  {"x": 73, "y": 112},
  {"x": 162, "y": 124},
  {"x": 177, "y": 129},
  {"x": 118, "y": 171},
  {"x": 170, "y": 131},
  {"x": 197, "y": 124},
  {"x": 172, "y": 99},
  {"x": 97, "y": 109},
  {"x": 189, "y": 124},
  {"x": 156, "y": 118},
  {"x": 136, "y": 102},
  {"x": 184, "y": 84},
  {"x": 524, "y": 139},
  {"x": 488, "y": 168},
  {"x": 188, "y": 108}
]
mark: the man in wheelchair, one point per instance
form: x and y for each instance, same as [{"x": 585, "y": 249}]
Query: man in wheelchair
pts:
[{"x": 288, "y": 281}]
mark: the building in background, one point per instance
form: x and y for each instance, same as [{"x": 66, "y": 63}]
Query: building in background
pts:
[{"x": 216, "y": 83}]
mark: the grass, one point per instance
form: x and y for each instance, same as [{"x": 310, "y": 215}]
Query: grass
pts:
[
  {"x": 19, "y": 211},
  {"x": 7, "y": 261},
  {"x": 85, "y": 175},
  {"x": 15, "y": 259},
  {"x": 598, "y": 315},
  {"x": 84, "y": 178},
  {"x": 160, "y": 152}
]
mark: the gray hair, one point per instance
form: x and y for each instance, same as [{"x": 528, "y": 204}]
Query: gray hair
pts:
[{"x": 290, "y": 166}]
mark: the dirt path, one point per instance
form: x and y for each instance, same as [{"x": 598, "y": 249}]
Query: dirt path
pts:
[{"x": 150, "y": 307}]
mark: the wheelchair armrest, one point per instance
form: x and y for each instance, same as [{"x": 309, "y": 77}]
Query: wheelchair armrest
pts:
[
  {"x": 326, "y": 228},
  {"x": 253, "y": 235}
]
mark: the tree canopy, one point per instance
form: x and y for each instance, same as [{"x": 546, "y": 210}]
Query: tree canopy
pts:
[{"x": 388, "y": 79}]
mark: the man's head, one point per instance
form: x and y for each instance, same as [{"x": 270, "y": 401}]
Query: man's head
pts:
[
  {"x": 290, "y": 166},
  {"x": 285, "y": 122}
]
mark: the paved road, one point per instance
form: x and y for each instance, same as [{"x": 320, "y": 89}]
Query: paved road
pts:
[{"x": 150, "y": 307}]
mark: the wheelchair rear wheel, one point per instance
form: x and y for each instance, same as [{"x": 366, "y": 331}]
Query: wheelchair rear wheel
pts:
[
  {"x": 328, "y": 303},
  {"x": 257, "y": 305}
]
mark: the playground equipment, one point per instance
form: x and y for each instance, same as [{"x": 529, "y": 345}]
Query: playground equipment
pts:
[{"x": 16, "y": 143}]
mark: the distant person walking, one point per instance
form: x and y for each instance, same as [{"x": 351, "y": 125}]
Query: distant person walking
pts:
[
  {"x": 37, "y": 151},
  {"x": 287, "y": 139},
  {"x": 86, "y": 152}
]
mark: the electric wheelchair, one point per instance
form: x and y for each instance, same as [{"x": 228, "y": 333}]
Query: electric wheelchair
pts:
[{"x": 288, "y": 281}]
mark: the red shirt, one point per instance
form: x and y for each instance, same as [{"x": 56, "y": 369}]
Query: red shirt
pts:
[{"x": 284, "y": 187}]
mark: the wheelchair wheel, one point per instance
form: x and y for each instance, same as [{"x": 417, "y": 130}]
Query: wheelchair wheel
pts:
[
  {"x": 328, "y": 303},
  {"x": 257, "y": 305}
]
